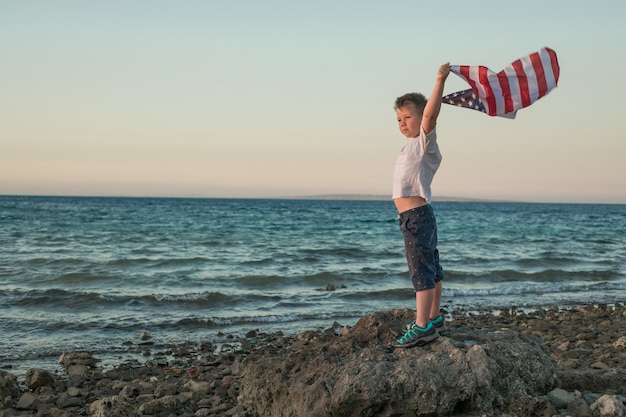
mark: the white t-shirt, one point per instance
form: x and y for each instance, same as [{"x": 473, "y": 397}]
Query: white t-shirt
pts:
[{"x": 416, "y": 166}]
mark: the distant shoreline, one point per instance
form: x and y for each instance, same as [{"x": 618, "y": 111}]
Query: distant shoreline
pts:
[
  {"x": 381, "y": 197},
  {"x": 328, "y": 197}
]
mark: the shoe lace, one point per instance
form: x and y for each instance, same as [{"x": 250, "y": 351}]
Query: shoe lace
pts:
[{"x": 407, "y": 336}]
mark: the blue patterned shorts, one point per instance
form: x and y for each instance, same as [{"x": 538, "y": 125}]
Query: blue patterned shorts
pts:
[{"x": 419, "y": 228}]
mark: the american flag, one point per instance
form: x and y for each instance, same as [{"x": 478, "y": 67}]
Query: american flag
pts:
[{"x": 517, "y": 86}]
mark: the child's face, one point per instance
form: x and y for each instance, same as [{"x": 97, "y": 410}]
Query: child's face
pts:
[{"x": 409, "y": 120}]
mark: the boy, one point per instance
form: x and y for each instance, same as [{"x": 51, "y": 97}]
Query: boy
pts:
[{"x": 414, "y": 171}]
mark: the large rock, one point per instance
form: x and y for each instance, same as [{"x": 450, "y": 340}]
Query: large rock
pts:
[
  {"x": 360, "y": 374},
  {"x": 68, "y": 359},
  {"x": 37, "y": 377},
  {"x": 578, "y": 379},
  {"x": 609, "y": 406},
  {"x": 9, "y": 389},
  {"x": 169, "y": 403},
  {"x": 113, "y": 406}
]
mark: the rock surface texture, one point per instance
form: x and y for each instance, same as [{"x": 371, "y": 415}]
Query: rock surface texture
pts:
[{"x": 360, "y": 374}]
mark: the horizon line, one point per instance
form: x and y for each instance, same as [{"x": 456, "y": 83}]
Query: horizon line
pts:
[{"x": 329, "y": 197}]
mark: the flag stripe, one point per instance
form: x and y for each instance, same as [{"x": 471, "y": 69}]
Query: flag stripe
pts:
[
  {"x": 554, "y": 65},
  {"x": 531, "y": 79},
  {"x": 506, "y": 91},
  {"x": 514, "y": 86},
  {"x": 520, "y": 76},
  {"x": 542, "y": 86},
  {"x": 483, "y": 80},
  {"x": 551, "y": 67}
]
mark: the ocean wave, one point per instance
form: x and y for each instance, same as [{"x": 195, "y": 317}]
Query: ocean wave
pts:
[
  {"x": 173, "y": 262},
  {"x": 523, "y": 288},
  {"x": 65, "y": 300},
  {"x": 264, "y": 291},
  {"x": 504, "y": 275},
  {"x": 262, "y": 320},
  {"x": 319, "y": 280}
]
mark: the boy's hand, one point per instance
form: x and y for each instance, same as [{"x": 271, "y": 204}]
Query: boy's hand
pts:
[{"x": 443, "y": 72}]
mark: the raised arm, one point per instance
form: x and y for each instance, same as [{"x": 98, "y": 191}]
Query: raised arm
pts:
[{"x": 431, "y": 111}]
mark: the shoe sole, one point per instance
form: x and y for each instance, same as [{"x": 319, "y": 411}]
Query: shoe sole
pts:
[{"x": 421, "y": 341}]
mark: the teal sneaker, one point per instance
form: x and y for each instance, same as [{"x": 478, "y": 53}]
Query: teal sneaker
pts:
[
  {"x": 439, "y": 323},
  {"x": 417, "y": 336}
]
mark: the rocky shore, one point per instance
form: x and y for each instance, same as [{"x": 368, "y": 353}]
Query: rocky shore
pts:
[{"x": 582, "y": 352}]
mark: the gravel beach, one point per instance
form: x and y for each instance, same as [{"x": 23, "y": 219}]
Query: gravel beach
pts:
[{"x": 588, "y": 343}]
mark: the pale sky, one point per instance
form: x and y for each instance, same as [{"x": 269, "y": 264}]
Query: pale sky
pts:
[{"x": 292, "y": 98}]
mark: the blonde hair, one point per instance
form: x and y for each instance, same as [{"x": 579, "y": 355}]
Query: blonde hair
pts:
[{"x": 417, "y": 99}]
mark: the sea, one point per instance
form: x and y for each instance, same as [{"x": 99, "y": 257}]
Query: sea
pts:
[{"x": 83, "y": 273}]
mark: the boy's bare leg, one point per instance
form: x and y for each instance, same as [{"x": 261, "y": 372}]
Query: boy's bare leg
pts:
[
  {"x": 436, "y": 305},
  {"x": 427, "y": 304},
  {"x": 423, "y": 304}
]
